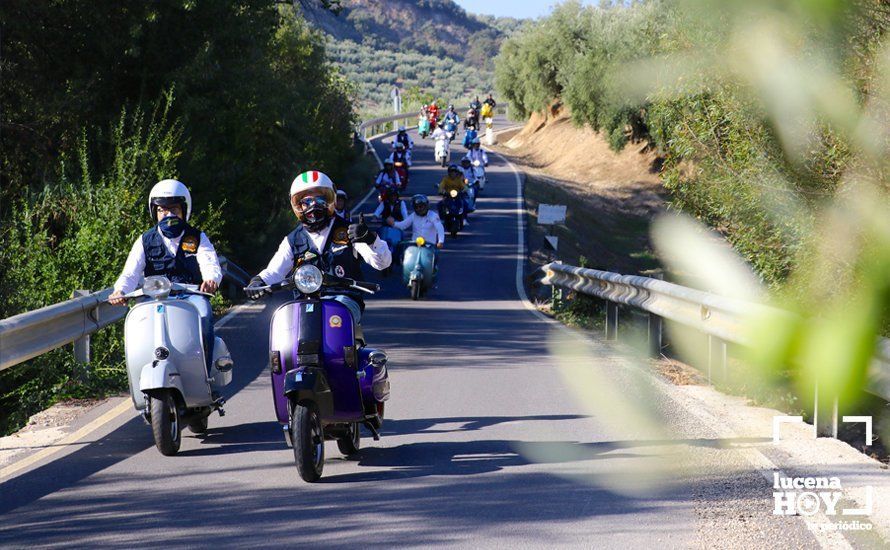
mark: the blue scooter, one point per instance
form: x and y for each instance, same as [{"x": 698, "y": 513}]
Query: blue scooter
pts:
[
  {"x": 419, "y": 269},
  {"x": 451, "y": 211},
  {"x": 469, "y": 136}
]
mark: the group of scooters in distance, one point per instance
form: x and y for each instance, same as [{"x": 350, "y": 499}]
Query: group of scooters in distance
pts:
[{"x": 418, "y": 256}]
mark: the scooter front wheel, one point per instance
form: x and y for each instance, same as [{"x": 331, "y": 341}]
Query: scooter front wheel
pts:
[
  {"x": 308, "y": 438},
  {"x": 415, "y": 289},
  {"x": 165, "y": 423},
  {"x": 350, "y": 443}
]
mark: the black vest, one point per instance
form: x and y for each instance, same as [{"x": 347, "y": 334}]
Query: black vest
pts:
[
  {"x": 338, "y": 257},
  {"x": 394, "y": 210},
  {"x": 183, "y": 267},
  {"x": 403, "y": 139}
]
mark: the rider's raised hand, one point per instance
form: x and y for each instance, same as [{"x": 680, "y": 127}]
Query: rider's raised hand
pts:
[
  {"x": 117, "y": 299},
  {"x": 252, "y": 291},
  {"x": 360, "y": 232}
]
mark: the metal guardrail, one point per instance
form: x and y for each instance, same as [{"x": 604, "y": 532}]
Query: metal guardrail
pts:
[
  {"x": 713, "y": 315},
  {"x": 719, "y": 317},
  {"x": 34, "y": 333}
]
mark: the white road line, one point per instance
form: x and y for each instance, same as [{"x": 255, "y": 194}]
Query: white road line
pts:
[{"x": 520, "y": 246}]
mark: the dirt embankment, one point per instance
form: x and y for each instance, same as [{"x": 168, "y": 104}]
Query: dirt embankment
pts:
[{"x": 611, "y": 197}]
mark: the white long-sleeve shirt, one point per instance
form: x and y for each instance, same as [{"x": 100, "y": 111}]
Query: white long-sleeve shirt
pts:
[
  {"x": 377, "y": 255},
  {"x": 477, "y": 154},
  {"x": 134, "y": 268},
  {"x": 429, "y": 227},
  {"x": 383, "y": 178}
]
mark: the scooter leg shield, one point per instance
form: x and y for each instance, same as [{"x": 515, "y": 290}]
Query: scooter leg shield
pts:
[{"x": 160, "y": 375}]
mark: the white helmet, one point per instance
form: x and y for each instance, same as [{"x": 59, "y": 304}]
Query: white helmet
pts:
[
  {"x": 316, "y": 182},
  {"x": 168, "y": 193},
  {"x": 402, "y": 128}
]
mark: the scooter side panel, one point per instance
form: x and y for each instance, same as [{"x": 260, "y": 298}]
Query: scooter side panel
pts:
[
  {"x": 339, "y": 334},
  {"x": 182, "y": 324},
  {"x": 283, "y": 339}
]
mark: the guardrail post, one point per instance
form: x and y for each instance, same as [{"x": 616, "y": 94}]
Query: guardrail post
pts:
[
  {"x": 654, "y": 335},
  {"x": 716, "y": 356},
  {"x": 81, "y": 345},
  {"x": 611, "y": 320},
  {"x": 824, "y": 426}
]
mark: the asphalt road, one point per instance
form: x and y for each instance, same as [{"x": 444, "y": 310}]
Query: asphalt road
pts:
[{"x": 484, "y": 444}]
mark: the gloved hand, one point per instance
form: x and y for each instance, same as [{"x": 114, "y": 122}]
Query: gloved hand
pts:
[
  {"x": 255, "y": 294},
  {"x": 360, "y": 233}
]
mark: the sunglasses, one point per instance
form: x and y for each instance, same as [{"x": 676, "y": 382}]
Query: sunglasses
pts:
[{"x": 308, "y": 202}]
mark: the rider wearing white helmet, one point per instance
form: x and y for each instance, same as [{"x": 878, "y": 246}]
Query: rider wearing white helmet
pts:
[
  {"x": 387, "y": 177},
  {"x": 176, "y": 250},
  {"x": 476, "y": 153},
  {"x": 403, "y": 138},
  {"x": 338, "y": 245}
]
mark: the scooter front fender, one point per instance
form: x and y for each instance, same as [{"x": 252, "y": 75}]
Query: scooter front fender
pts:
[
  {"x": 310, "y": 385},
  {"x": 158, "y": 375}
]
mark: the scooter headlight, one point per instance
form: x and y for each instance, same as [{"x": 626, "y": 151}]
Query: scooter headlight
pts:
[
  {"x": 453, "y": 193},
  {"x": 157, "y": 286},
  {"x": 308, "y": 279}
]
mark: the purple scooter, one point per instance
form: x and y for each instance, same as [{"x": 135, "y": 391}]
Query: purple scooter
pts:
[{"x": 325, "y": 382}]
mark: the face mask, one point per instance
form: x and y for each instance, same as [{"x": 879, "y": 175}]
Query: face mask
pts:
[{"x": 171, "y": 226}]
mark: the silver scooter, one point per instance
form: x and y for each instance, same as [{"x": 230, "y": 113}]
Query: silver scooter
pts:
[{"x": 166, "y": 368}]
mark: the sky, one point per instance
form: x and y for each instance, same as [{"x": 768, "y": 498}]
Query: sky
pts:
[{"x": 512, "y": 8}]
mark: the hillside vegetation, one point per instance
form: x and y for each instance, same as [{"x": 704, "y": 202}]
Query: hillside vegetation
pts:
[
  {"x": 433, "y": 46},
  {"x": 725, "y": 161}
]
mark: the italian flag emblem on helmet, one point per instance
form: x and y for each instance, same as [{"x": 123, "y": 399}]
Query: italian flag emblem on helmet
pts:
[{"x": 315, "y": 182}]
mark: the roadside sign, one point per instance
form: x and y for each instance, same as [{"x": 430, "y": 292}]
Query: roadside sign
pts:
[
  {"x": 551, "y": 214},
  {"x": 554, "y": 241}
]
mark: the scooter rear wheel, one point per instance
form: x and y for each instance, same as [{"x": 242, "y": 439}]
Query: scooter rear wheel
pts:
[
  {"x": 350, "y": 443},
  {"x": 308, "y": 437},
  {"x": 165, "y": 423}
]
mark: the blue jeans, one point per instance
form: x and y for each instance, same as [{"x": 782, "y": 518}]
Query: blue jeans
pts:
[{"x": 202, "y": 304}]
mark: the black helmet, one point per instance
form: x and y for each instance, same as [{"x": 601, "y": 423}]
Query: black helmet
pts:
[
  {"x": 465, "y": 162},
  {"x": 421, "y": 204}
]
